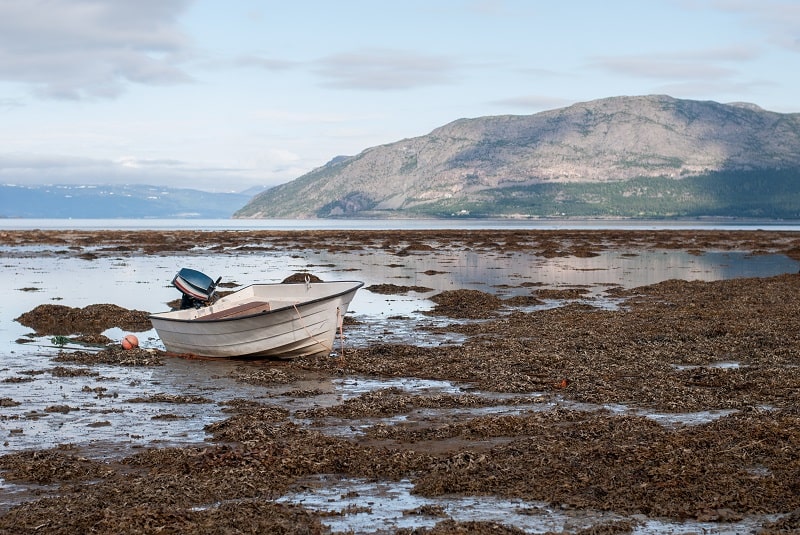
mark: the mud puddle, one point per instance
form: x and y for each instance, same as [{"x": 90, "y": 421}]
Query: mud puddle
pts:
[
  {"x": 444, "y": 430},
  {"x": 470, "y": 404},
  {"x": 112, "y": 408},
  {"x": 359, "y": 506},
  {"x": 94, "y": 408}
]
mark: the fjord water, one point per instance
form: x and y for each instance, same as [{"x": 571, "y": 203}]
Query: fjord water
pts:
[
  {"x": 32, "y": 277},
  {"x": 398, "y": 224},
  {"x": 98, "y": 414},
  {"x": 143, "y": 283}
]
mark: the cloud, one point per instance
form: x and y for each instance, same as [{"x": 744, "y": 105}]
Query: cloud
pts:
[
  {"x": 384, "y": 69},
  {"x": 379, "y": 69},
  {"x": 78, "y": 49},
  {"x": 59, "y": 169},
  {"x": 137, "y": 163},
  {"x": 10, "y": 163},
  {"x": 533, "y": 103},
  {"x": 260, "y": 62},
  {"x": 662, "y": 67},
  {"x": 10, "y": 103},
  {"x": 295, "y": 117},
  {"x": 778, "y": 20},
  {"x": 712, "y": 64}
]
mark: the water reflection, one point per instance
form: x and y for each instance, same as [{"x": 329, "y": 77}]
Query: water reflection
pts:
[
  {"x": 142, "y": 282},
  {"x": 392, "y": 224},
  {"x": 360, "y": 506},
  {"x": 96, "y": 409},
  {"x": 378, "y": 507},
  {"x": 508, "y": 273}
]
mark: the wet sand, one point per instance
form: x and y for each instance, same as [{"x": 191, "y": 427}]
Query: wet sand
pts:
[{"x": 675, "y": 347}]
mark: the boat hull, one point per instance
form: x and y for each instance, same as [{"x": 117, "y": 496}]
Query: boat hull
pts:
[{"x": 262, "y": 320}]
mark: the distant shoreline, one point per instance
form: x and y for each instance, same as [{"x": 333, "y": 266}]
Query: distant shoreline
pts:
[
  {"x": 547, "y": 241},
  {"x": 399, "y": 224}
]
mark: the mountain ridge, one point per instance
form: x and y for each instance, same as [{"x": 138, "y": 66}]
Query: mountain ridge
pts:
[{"x": 575, "y": 154}]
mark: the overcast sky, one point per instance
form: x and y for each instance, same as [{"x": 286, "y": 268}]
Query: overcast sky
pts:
[{"x": 224, "y": 95}]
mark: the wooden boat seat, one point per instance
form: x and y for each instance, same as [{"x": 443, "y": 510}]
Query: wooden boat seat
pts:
[{"x": 253, "y": 307}]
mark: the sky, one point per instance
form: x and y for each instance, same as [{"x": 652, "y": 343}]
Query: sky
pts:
[{"x": 228, "y": 95}]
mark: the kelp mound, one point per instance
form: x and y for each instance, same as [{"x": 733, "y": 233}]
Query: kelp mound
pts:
[{"x": 49, "y": 319}]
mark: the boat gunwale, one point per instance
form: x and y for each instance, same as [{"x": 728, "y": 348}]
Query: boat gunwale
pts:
[{"x": 158, "y": 315}]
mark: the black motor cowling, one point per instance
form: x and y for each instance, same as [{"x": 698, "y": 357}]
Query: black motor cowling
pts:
[{"x": 197, "y": 288}]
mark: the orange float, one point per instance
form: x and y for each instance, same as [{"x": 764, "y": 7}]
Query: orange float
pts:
[{"x": 130, "y": 342}]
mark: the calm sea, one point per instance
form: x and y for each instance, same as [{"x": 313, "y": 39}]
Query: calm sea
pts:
[
  {"x": 108, "y": 423},
  {"x": 391, "y": 224}
]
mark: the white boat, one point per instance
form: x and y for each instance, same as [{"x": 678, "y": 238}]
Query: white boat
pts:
[{"x": 262, "y": 320}]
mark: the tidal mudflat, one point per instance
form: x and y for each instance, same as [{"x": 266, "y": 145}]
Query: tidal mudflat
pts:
[{"x": 489, "y": 382}]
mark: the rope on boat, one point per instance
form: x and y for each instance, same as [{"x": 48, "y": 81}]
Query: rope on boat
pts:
[{"x": 339, "y": 325}]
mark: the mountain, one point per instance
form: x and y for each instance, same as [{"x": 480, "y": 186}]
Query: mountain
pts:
[
  {"x": 638, "y": 156},
  {"x": 107, "y": 202}
]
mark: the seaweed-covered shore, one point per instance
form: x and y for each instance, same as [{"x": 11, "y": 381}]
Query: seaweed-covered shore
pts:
[{"x": 672, "y": 348}]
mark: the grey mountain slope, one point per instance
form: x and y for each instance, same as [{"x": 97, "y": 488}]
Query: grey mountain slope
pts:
[{"x": 608, "y": 140}]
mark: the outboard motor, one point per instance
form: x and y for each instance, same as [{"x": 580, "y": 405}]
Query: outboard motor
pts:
[{"x": 197, "y": 288}]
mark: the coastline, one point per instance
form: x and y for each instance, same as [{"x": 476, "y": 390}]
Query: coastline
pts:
[
  {"x": 728, "y": 348},
  {"x": 172, "y": 224}
]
